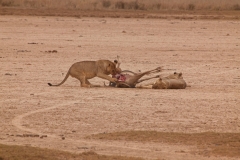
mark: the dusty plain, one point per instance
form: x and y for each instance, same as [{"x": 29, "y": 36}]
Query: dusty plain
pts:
[{"x": 35, "y": 50}]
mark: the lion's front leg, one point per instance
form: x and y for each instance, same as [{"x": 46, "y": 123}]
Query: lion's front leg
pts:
[
  {"x": 104, "y": 76},
  {"x": 145, "y": 86},
  {"x": 91, "y": 85}
]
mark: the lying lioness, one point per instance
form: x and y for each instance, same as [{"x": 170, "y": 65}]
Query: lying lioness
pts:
[
  {"x": 126, "y": 80},
  {"x": 88, "y": 69},
  {"x": 173, "y": 81}
]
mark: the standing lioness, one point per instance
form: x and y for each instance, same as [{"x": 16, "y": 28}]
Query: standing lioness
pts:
[{"x": 88, "y": 69}]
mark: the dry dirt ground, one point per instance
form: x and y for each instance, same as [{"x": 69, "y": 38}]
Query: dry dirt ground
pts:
[{"x": 35, "y": 50}]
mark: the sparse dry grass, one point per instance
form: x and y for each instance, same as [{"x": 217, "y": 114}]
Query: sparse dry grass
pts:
[
  {"x": 32, "y": 153},
  {"x": 178, "y": 9},
  {"x": 126, "y": 4},
  {"x": 223, "y": 144}
]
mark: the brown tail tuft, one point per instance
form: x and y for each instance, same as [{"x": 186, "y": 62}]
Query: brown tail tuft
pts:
[{"x": 49, "y": 84}]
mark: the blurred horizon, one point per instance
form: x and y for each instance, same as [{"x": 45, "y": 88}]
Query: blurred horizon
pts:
[{"x": 150, "y": 5}]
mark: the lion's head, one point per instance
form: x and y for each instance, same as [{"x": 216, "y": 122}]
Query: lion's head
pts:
[
  {"x": 175, "y": 75},
  {"x": 118, "y": 70},
  {"x": 111, "y": 68}
]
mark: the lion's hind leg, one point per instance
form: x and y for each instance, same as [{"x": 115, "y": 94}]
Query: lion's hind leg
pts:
[
  {"x": 145, "y": 86},
  {"x": 83, "y": 81}
]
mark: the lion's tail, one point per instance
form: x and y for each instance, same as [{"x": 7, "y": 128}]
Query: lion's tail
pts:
[{"x": 66, "y": 77}]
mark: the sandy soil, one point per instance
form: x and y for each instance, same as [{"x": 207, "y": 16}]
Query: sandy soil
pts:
[{"x": 37, "y": 50}]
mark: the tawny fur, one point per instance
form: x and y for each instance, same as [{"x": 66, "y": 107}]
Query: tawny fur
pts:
[
  {"x": 89, "y": 69},
  {"x": 173, "y": 81}
]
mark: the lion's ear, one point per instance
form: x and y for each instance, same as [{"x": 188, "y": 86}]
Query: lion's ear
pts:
[{"x": 115, "y": 61}]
